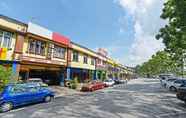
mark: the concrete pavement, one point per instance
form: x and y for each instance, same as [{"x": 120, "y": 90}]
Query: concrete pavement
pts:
[{"x": 141, "y": 98}]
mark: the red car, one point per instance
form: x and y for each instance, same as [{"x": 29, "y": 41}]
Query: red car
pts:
[{"x": 92, "y": 86}]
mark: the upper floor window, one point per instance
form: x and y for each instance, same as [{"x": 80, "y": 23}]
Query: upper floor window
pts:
[
  {"x": 103, "y": 62},
  {"x": 75, "y": 56},
  {"x": 49, "y": 51},
  {"x": 59, "y": 52},
  {"x": 36, "y": 47},
  {"x": 99, "y": 61},
  {"x": 92, "y": 61},
  {"x": 5, "y": 39},
  {"x": 85, "y": 59}
]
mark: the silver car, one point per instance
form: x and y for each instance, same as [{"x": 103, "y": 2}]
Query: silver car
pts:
[{"x": 173, "y": 86}]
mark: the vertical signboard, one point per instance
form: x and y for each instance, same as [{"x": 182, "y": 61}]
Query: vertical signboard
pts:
[{"x": 3, "y": 53}]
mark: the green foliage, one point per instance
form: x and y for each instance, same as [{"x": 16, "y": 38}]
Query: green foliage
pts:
[
  {"x": 174, "y": 33},
  {"x": 74, "y": 83},
  {"x": 103, "y": 77},
  {"x": 5, "y": 76},
  {"x": 159, "y": 63}
]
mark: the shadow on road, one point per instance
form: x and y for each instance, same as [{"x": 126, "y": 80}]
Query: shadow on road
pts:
[{"x": 138, "y": 99}]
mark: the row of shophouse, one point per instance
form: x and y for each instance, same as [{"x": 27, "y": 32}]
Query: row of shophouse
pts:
[{"x": 33, "y": 51}]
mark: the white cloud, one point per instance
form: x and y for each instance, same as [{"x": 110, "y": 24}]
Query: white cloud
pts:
[{"x": 146, "y": 17}]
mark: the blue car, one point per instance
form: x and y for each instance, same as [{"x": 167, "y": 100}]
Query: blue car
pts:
[{"x": 15, "y": 95}]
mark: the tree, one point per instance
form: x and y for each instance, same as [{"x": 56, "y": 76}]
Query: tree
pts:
[
  {"x": 159, "y": 63},
  {"x": 174, "y": 33},
  {"x": 5, "y": 76}
]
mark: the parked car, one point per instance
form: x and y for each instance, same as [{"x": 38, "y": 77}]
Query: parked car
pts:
[
  {"x": 169, "y": 82},
  {"x": 120, "y": 81},
  {"x": 15, "y": 95},
  {"x": 164, "y": 77},
  {"x": 164, "y": 80},
  {"x": 181, "y": 93},
  {"x": 109, "y": 82},
  {"x": 176, "y": 84},
  {"x": 37, "y": 80},
  {"x": 92, "y": 86}
]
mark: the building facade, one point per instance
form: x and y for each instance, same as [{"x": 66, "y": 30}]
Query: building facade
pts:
[
  {"x": 11, "y": 31},
  {"x": 44, "y": 55},
  {"x": 101, "y": 64},
  {"x": 81, "y": 63},
  {"x": 33, "y": 51}
]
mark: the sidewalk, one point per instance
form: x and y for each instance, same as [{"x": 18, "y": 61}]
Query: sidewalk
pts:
[{"x": 64, "y": 91}]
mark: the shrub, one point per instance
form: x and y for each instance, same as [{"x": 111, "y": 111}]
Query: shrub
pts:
[
  {"x": 5, "y": 76},
  {"x": 74, "y": 83}
]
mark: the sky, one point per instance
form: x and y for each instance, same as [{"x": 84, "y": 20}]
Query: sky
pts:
[{"x": 125, "y": 28}]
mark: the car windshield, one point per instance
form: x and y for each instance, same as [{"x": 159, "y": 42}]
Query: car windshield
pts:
[
  {"x": 171, "y": 80},
  {"x": 35, "y": 80}
]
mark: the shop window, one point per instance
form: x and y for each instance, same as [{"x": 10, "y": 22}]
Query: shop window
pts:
[
  {"x": 36, "y": 47},
  {"x": 49, "y": 51},
  {"x": 92, "y": 61},
  {"x": 5, "y": 39},
  {"x": 32, "y": 46},
  {"x": 59, "y": 52},
  {"x": 75, "y": 56},
  {"x": 85, "y": 59}
]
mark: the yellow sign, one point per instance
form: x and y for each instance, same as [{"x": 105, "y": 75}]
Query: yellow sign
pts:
[{"x": 3, "y": 53}]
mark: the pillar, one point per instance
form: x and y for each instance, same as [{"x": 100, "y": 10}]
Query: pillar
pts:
[
  {"x": 94, "y": 75},
  {"x": 15, "y": 69},
  {"x": 68, "y": 73},
  {"x": 62, "y": 78}
]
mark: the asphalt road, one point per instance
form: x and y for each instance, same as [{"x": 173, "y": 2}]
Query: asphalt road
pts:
[{"x": 141, "y": 98}]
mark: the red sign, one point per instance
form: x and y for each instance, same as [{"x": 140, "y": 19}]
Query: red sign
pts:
[{"x": 60, "y": 39}]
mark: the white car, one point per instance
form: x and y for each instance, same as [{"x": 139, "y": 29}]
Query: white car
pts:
[
  {"x": 37, "y": 80},
  {"x": 163, "y": 81},
  {"x": 164, "y": 77},
  {"x": 109, "y": 82},
  {"x": 169, "y": 82},
  {"x": 173, "y": 86}
]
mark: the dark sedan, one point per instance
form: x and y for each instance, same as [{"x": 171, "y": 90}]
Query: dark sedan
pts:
[{"x": 181, "y": 93}]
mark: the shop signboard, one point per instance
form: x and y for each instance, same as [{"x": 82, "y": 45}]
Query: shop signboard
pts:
[
  {"x": 40, "y": 31},
  {"x": 60, "y": 39}
]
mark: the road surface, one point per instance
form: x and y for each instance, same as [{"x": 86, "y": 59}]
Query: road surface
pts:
[{"x": 140, "y": 98}]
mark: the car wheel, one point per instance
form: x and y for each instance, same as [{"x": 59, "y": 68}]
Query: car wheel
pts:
[
  {"x": 48, "y": 98},
  {"x": 6, "y": 107},
  {"x": 172, "y": 88}
]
